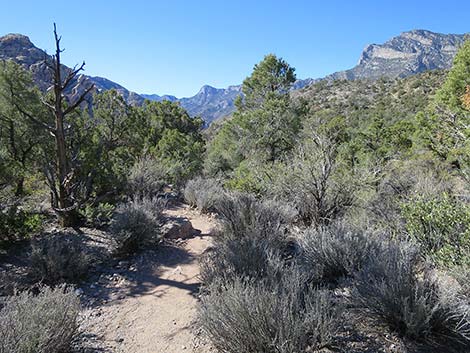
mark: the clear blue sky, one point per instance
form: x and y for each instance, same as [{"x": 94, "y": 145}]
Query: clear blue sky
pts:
[{"x": 175, "y": 47}]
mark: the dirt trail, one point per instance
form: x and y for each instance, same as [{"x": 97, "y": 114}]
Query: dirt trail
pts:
[{"x": 150, "y": 305}]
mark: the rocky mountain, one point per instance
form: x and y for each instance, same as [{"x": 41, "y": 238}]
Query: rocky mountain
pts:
[
  {"x": 213, "y": 103},
  {"x": 210, "y": 103},
  {"x": 404, "y": 55},
  {"x": 103, "y": 84},
  {"x": 407, "y": 54},
  {"x": 19, "y": 48},
  {"x": 157, "y": 98}
]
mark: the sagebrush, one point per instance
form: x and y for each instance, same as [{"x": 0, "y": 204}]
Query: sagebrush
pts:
[
  {"x": 43, "y": 323},
  {"x": 252, "y": 242},
  {"x": 396, "y": 288},
  {"x": 136, "y": 224},
  {"x": 59, "y": 258},
  {"x": 146, "y": 178},
  {"x": 330, "y": 253},
  {"x": 250, "y": 316},
  {"x": 242, "y": 215},
  {"x": 203, "y": 193}
]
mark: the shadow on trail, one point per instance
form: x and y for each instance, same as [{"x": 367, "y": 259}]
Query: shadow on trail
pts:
[
  {"x": 143, "y": 276},
  {"x": 88, "y": 344}
]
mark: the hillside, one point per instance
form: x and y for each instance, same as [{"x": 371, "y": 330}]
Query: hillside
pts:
[
  {"x": 20, "y": 49},
  {"x": 363, "y": 98}
]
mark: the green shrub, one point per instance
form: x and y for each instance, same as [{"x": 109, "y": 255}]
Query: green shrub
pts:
[
  {"x": 393, "y": 289},
  {"x": 98, "y": 216},
  {"x": 46, "y": 323},
  {"x": 137, "y": 224},
  {"x": 58, "y": 258},
  {"x": 17, "y": 224},
  {"x": 247, "y": 177},
  {"x": 249, "y": 316},
  {"x": 202, "y": 193},
  {"x": 441, "y": 225}
]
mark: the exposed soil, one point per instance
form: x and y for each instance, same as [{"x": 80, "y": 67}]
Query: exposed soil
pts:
[{"x": 148, "y": 304}]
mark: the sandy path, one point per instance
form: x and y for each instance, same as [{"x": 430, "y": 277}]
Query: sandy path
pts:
[{"x": 149, "y": 307}]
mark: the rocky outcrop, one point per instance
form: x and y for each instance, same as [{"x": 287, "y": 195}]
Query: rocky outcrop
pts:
[{"x": 407, "y": 54}]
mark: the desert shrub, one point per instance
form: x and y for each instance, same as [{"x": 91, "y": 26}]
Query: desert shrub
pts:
[
  {"x": 45, "y": 323},
  {"x": 316, "y": 182},
  {"x": 146, "y": 178},
  {"x": 202, "y": 193},
  {"x": 252, "y": 242},
  {"x": 244, "y": 216},
  {"x": 329, "y": 253},
  {"x": 58, "y": 258},
  {"x": 441, "y": 225},
  {"x": 98, "y": 216},
  {"x": 137, "y": 224},
  {"x": 392, "y": 288},
  {"x": 17, "y": 224},
  {"x": 241, "y": 258},
  {"x": 249, "y": 316}
]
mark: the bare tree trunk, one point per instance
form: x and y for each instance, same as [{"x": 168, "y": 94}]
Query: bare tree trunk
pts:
[
  {"x": 67, "y": 209},
  {"x": 61, "y": 177}
]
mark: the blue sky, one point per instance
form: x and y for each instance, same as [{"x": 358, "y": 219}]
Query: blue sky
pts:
[{"x": 175, "y": 47}]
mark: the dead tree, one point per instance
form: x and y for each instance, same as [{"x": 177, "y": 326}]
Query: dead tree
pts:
[
  {"x": 63, "y": 201},
  {"x": 61, "y": 176}
]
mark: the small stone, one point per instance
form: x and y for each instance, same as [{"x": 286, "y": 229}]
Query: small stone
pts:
[
  {"x": 178, "y": 228},
  {"x": 79, "y": 291}
]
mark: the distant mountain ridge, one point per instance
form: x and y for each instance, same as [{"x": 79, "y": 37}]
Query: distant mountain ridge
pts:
[
  {"x": 157, "y": 98},
  {"x": 407, "y": 54},
  {"x": 19, "y": 48}
]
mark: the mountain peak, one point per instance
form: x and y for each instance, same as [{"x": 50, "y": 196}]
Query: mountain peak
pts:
[
  {"x": 16, "y": 37},
  {"x": 421, "y": 32},
  {"x": 206, "y": 89},
  {"x": 409, "y": 53},
  {"x": 15, "y": 43}
]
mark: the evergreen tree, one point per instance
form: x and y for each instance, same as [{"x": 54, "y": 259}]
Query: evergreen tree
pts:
[{"x": 20, "y": 137}]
